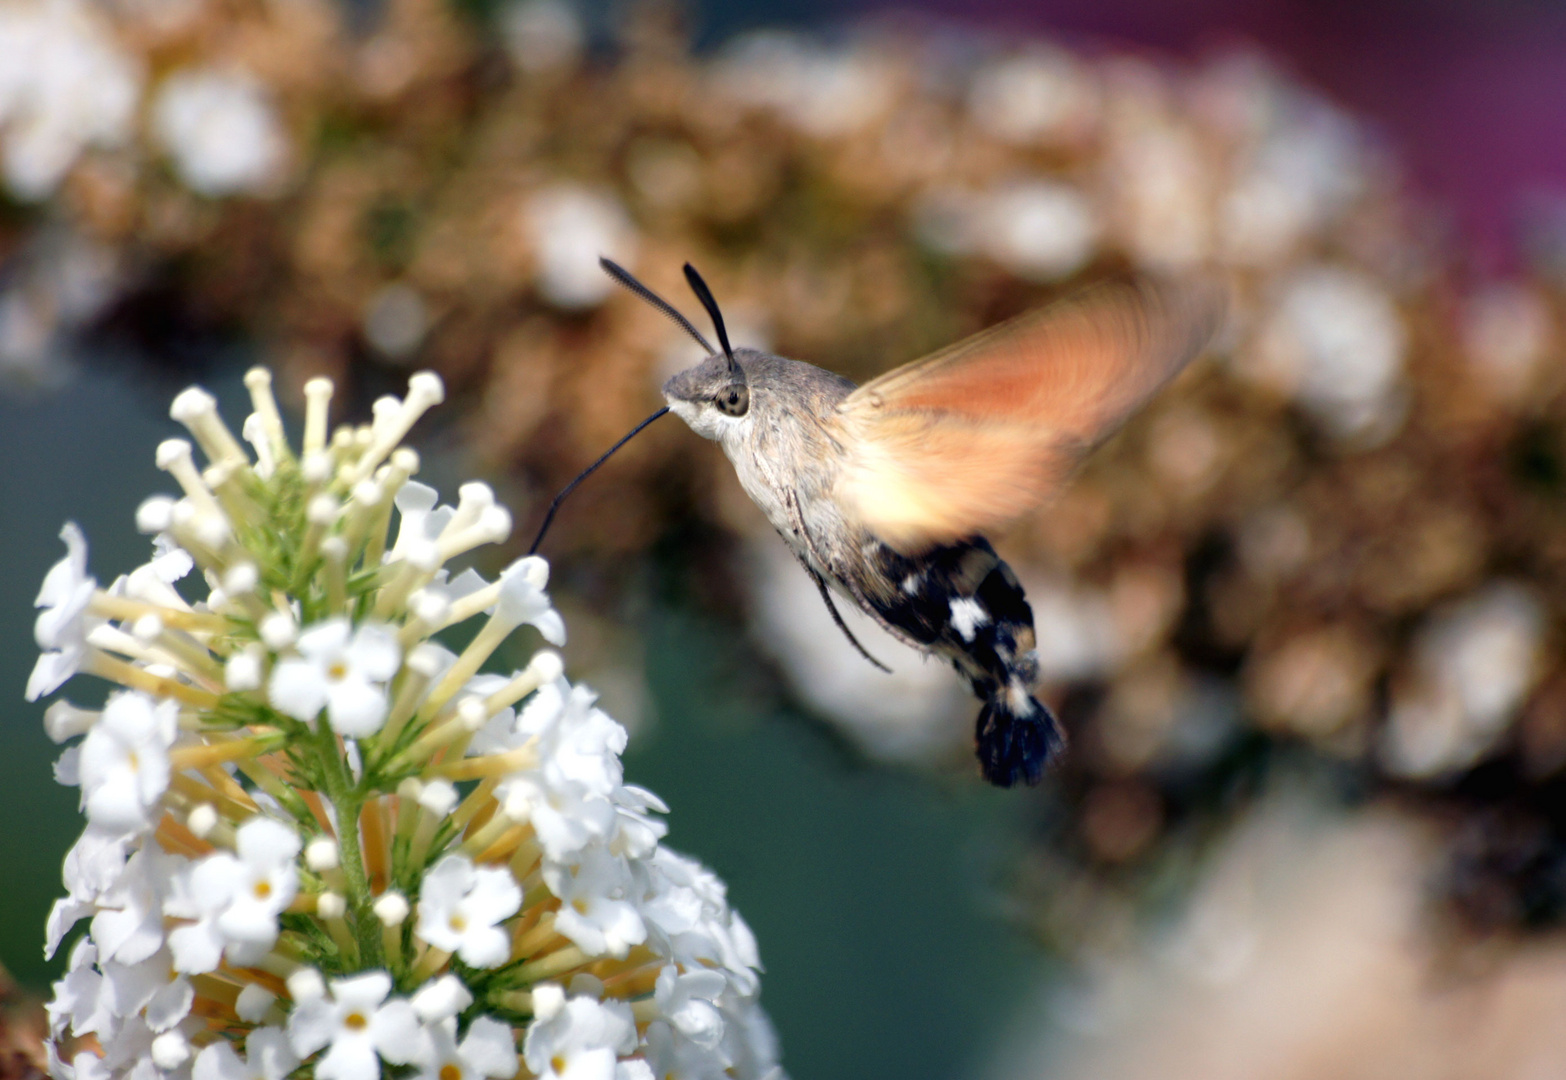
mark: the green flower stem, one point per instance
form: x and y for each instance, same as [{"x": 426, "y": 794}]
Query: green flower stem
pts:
[{"x": 348, "y": 800}]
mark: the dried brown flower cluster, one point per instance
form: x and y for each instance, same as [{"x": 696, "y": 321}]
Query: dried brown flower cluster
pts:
[{"x": 1344, "y": 532}]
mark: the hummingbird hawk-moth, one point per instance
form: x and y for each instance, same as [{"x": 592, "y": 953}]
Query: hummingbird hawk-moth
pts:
[{"x": 885, "y": 492}]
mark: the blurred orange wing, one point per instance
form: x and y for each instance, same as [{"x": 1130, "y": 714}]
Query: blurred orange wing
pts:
[{"x": 980, "y": 433}]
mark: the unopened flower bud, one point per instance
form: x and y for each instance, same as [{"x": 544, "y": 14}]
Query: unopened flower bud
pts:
[
  {"x": 171, "y": 452},
  {"x": 385, "y": 410},
  {"x": 155, "y": 515},
  {"x": 241, "y": 579},
  {"x": 439, "y": 797},
  {"x": 203, "y": 818},
  {"x": 211, "y": 529},
  {"x": 242, "y": 671},
  {"x": 548, "y": 1001},
  {"x": 583, "y": 984},
  {"x": 254, "y": 1002},
  {"x": 391, "y": 908},
  {"x": 424, "y": 390},
  {"x": 191, "y": 404},
  {"x": 316, "y": 468},
  {"x": 321, "y": 854},
  {"x": 426, "y": 660},
  {"x": 323, "y": 510},
  {"x": 547, "y": 665},
  {"x": 62, "y": 721},
  {"x": 170, "y": 1051},
  {"x": 305, "y": 985},
  {"x": 534, "y": 570},
  {"x": 279, "y": 630},
  {"x": 471, "y": 713},
  {"x": 429, "y": 606},
  {"x": 495, "y": 523},
  {"x": 473, "y": 498},
  {"x": 367, "y": 493}
]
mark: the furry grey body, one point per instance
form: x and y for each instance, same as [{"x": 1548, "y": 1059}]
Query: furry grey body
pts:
[
  {"x": 784, "y": 451},
  {"x": 959, "y": 601}
]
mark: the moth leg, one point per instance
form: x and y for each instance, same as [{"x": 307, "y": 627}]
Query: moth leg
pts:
[
  {"x": 791, "y": 500},
  {"x": 826, "y": 597}
]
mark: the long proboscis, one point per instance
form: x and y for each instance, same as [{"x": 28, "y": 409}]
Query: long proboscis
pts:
[{"x": 549, "y": 516}]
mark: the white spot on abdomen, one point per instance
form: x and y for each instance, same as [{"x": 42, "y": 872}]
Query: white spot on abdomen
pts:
[
  {"x": 1018, "y": 698},
  {"x": 967, "y": 616},
  {"x": 911, "y": 584}
]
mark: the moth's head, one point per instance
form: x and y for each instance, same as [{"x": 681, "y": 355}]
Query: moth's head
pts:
[{"x": 713, "y": 397}]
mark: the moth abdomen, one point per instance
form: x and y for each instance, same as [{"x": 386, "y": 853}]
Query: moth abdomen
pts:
[
  {"x": 964, "y": 603},
  {"x": 1016, "y": 739}
]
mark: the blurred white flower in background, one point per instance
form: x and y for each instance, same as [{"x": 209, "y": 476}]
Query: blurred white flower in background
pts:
[
  {"x": 64, "y": 86},
  {"x": 1305, "y": 950},
  {"x": 1296, "y": 182},
  {"x": 1044, "y": 95},
  {"x": 396, "y": 320},
  {"x": 1292, "y": 949},
  {"x": 1300, "y": 161},
  {"x": 569, "y": 227},
  {"x": 1507, "y": 333},
  {"x": 541, "y": 35},
  {"x": 823, "y": 91},
  {"x": 56, "y": 283},
  {"x": 1040, "y": 230},
  {"x": 1475, "y": 662},
  {"x": 221, "y": 130},
  {"x": 1335, "y": 343},
  {"x": 1076, "y": 632},
  {"x": 1156, "y": 175}
]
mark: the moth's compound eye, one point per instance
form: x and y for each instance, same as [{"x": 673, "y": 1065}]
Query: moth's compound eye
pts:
[{"x": 733, "y": 399}]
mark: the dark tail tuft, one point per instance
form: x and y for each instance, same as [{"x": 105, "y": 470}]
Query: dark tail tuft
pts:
[{"x": 1011, "y": 744}]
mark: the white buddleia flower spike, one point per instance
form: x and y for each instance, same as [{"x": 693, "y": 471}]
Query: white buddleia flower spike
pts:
[{"x": 321, "y": 844}]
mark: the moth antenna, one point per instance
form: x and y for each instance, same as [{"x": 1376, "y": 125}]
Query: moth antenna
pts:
[
  {"x": 625, "y": 278},
  {"x": 704, "y": 294},
  {"x": 549, "y": 516}
]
